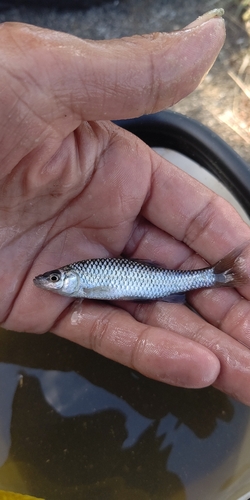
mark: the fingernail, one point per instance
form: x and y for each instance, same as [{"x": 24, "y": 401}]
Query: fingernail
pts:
[{"x": 204, "y": 18}]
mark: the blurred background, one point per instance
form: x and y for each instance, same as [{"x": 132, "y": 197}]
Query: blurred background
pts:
[{"x": 221, "y": 102}]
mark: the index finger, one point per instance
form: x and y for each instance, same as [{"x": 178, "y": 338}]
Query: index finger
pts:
[
  {"x": 183, "y": 207},
  {"x": 158, "y": 353}
]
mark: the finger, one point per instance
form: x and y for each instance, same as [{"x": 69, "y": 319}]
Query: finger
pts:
[
  {"x": 157, "y": 353},
  {"x": 115, "y": 78},
  {"x": 234, "y": 358},
  {"x": 224, "y": 308},
  {"x": 212, "y": 228},
  {"x": 210, "y": 225},
  {"x": 61, "y": 78}
]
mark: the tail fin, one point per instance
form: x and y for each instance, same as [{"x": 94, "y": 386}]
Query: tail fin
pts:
[{"x": 231, "y": 270}]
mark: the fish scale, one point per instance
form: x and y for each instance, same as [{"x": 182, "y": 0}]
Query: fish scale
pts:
[
  {"x": 131, "y": 279},
  {"x": 127, "y": 278}
]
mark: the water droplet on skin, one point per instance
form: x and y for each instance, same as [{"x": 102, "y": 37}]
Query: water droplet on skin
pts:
[{"x": 76, "y": 318}]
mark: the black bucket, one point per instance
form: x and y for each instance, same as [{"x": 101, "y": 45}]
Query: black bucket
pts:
[{"x": 171, "y": 130}]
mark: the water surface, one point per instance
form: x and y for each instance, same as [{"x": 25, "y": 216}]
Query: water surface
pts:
[{"x": 76, "y": 425}]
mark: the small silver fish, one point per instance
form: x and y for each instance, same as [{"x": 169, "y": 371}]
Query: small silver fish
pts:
[{"x": 132, "y": 279}]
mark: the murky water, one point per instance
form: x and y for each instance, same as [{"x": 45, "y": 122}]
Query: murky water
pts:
[{"x": 75, "y": 425}]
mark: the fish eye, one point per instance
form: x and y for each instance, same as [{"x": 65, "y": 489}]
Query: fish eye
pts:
[{"x": 54, "y": 278}]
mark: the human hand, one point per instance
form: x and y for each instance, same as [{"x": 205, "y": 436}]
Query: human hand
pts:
[{"x": 75, "y": 186}]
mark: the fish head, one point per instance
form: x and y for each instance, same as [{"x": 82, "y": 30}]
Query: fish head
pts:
[{"x": 62, "y": 281}]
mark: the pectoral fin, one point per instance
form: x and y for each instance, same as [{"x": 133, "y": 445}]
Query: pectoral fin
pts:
[
  {"x": 98, "y": 292},
  {"x": 175, "y": 298}
]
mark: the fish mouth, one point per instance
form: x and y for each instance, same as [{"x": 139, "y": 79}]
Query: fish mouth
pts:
[{"x": 40, "y": 281}]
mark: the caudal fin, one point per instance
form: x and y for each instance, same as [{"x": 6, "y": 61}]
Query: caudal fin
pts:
[{"x": 232, "y": 270}]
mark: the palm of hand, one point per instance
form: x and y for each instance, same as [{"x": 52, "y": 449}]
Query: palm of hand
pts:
[
  {"x": 73, "y": 189},
  {"x": 78, "y": 204}
]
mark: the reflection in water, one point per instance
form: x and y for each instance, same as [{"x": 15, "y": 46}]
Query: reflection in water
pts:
[
  {"x": 78, "y": 426},
  {"x": 85, "y": 450},
  {"x": 8, "y": 384},
  {"x": 68, "y": 394}
]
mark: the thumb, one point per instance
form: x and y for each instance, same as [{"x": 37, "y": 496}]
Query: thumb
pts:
[{"x": 110, "y": 79}]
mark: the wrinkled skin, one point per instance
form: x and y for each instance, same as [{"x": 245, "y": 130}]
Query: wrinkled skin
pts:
[{"x": 73, "y": 186}]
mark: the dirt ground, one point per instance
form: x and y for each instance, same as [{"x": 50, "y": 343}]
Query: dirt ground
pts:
[
  {"x": 225, "y": 92},
  {"x": 222, "y": 101}
]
